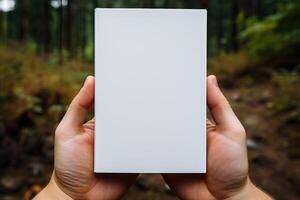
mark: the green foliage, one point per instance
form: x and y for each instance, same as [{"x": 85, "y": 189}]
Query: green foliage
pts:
[
  {"x": 31, "y": 85},
  {"x": 288, "y": 99},
  {"x": 32, "y": 46},
  {"x": 271, "y": 50},
  {"x": 89, "y": 52},
  {"x": 227, "y": 65},
  {"x": 278, "y": 34}
]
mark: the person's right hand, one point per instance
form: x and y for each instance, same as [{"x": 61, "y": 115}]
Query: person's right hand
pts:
[{"x": 227, "y": 170}]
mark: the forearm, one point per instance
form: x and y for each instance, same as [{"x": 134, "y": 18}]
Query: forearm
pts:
[
  {"x": 250, "y": 192},
  {"x": 52, "y": 192}
]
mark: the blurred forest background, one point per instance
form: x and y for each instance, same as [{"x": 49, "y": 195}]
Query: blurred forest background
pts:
[{"x": 46, "y": 51}]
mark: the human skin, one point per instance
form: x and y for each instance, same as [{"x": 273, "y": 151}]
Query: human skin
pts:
[
  {"x": 227, "y": 163},
  {"x": 73, "y": 176},
  {"x": 227, "y": 170}
]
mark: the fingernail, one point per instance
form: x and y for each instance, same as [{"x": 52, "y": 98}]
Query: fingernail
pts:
[
  {"x": 86, "y": 80},
  {"x": 215, "y": 81}
]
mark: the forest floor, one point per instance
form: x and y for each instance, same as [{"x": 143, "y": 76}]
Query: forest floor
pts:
[{"x": 274, "y": 166}]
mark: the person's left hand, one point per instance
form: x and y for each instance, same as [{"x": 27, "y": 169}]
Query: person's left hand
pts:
[
  {"x": 227, "y": 174},
  {"x": 227, "y": 162},
  {"x": 73, "y": 175}
]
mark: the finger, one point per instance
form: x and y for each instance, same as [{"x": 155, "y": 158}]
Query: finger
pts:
[
  {"x": 80, "y": 105},
  {"x": 210, "y": 126},
  {"x": 92, "y": 121},
  {"x": 209, "y": 122},
  {"x": 90, "y": 125},
  {"x": 219, "y": 107},
  {"x": 188, "y": 186},
  {"x": 113, "y": 185}
]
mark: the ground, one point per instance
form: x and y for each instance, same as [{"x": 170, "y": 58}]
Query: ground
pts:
[{"x": 273, "y": 154}]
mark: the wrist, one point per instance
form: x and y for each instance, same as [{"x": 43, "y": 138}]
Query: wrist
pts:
[
  {"x": 53, "y": 192},
  {"x": 249, "y": 192}
]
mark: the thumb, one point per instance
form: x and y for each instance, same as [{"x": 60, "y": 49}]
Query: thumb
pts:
[
  {"x": 220, "y": 108},
  {"x": 80, "y": 105}
]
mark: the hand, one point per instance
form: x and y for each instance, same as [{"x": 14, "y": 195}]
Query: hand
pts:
[
  {"x": 73, "y": 175},
  {"x": 227, "y": 162}
]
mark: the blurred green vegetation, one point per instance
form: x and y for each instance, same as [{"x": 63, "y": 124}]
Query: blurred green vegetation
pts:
[
  {"x": 269, "y": 53},
  {"x": 32, "y": 83}
]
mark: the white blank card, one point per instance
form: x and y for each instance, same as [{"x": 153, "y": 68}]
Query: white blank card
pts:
[{"x": 150, "y": 93}]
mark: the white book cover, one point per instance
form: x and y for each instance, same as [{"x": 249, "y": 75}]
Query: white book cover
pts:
[{"x": 150, "y": 90}]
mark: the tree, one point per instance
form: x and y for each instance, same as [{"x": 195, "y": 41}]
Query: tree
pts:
[
  {"x": 234, "y": 25},
  {"x": 25, "y": 19},
  {"x": 70, "y": 27},
  {"x": 204, "y": 3},
  {"x": 148, "y": 4},
  {"x": 60, "y": 32},
  {"x": 46, "y": 15},
  {"x": 220, "y": 25}
]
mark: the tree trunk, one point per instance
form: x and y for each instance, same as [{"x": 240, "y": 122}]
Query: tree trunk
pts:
[
  {"x": 259, "y": 10},
  {"x": 46, "y": 26},
  {"x": 70, "y": 33},
  {"x": 2, "y": 26},
  {"x": 234, "y": 25},
  {"x": 220, "y": 33},
  {"x": 248, "y": 8},
  {"x": 204, "y": 4},
  {"x": 95, "y": 3},
  {"x": 25, "y": 19},
  {"x": 83, "y": 26},
  {"x": 167, "y": 4},
  {"x": 148, "y": 4},
  {"x": 60, "y": 33}
]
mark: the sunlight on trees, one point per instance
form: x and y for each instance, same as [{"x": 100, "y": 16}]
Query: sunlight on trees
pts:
[
  {"x": 58, "y": 3},
  {"x": 7, "y": 5}
]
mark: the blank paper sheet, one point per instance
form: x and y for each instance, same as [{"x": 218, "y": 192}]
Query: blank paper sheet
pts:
[{"x": 150, "y": 91}]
